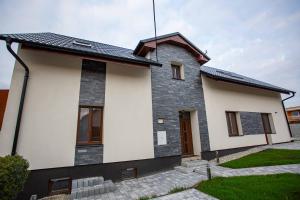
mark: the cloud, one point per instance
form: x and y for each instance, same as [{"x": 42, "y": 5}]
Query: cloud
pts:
[{"x": 260, "y": 39}]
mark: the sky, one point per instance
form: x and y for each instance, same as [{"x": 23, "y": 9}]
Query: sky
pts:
[{"x": 257, "y": 38}]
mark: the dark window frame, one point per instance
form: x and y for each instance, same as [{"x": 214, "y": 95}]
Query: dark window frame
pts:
[
  {"x": 233, "y": 131},
  {"x": 268, "y": 123},
  {"x": 176, "y": 71},
  {"x": 90, "y": 121}
]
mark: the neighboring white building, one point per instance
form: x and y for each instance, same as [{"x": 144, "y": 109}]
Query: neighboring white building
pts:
[{"x": 93, "y": 109}]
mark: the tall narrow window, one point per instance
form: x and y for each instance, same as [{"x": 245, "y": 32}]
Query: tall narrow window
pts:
[
  {"x": 90, "y": 125},
  {"x": 266, "y": 123},
  {"x": 232, "y": 124},
  {"x": 176, "y": 71}
]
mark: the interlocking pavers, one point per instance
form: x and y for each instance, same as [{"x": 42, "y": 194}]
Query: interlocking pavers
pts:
[
  {"x": 190, "y": 194},
  {"x": 161, "y": 183}
]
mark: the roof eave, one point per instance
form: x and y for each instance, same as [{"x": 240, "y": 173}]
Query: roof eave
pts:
[
  {"x": 245, "y": 84},
  {"x": 188, "y": 41},
  {"x": 137, "y": 48},
  {"x": 79, "y": 52}
]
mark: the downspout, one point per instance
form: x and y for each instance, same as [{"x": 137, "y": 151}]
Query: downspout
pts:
[
  {"x": 21, "y": 104},
  {"x": 286, "y": 118}
]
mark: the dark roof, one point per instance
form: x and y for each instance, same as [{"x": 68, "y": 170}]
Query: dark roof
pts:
[
  {"x": 239, "y": 79},
  {"x": 79, "y": 46},
  {"x": 166, "y": 36}
]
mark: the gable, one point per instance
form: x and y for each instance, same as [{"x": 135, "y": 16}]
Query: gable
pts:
[{"x": 177, "y": 39}]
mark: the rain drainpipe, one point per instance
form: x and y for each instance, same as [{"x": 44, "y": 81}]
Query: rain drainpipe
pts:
[
  {"x": 286, "y": 118},
  {"x": 26, "y": 75}
]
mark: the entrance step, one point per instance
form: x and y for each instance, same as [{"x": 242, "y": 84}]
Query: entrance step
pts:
[
  {"x": 194, "y": 163},
  {"x": 191, "y": 158},
  {"x": 184, "y": 170},
  {"x": 201, "y": 170},
  {"x": 86, "y": 187},
  {"x": 190, "y": 166}
]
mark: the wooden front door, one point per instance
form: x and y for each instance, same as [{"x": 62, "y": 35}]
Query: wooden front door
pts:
[{"x": 186, "y": 134}]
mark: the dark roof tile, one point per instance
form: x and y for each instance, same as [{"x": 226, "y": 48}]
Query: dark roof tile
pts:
[
  {"x": 62, "y": 42},
  {"x": 239, "y": 79}
]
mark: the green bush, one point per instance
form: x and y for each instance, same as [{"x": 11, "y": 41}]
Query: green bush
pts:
[{"x": 13, "y": 175}]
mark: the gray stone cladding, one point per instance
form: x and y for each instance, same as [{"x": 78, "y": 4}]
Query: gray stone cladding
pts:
[
  {"x": 92, "y": 93},
  {"x": 251, "y": 123},
  {"x": 169, "y": 96},
  {"x": 92, "y": 84},
  {"x": 89, "y": 155}
]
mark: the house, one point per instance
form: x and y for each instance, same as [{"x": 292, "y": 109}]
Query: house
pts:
[
  {"x": 94, "y": 109},
  {"x": 293, "y": 114}
]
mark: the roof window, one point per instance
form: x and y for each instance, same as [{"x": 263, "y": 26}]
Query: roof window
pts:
[{"x": 83, "y": 44}]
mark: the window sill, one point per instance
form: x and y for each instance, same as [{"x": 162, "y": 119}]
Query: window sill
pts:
[
  {"x": 236, "y": 135},
  {"x": 178, "y": 79},
  {"x": 92, "y": 144}
]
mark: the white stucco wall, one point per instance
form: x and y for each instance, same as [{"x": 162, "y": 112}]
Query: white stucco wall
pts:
[
  {"x": 128, "y": 129},
  {"x": 221, "y": 96},
  {"x": 49, "y": 122},
  {"x": 195, "y": 133}
]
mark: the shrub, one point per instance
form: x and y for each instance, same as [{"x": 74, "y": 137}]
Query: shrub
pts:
[{"x": 13, "y": 175}]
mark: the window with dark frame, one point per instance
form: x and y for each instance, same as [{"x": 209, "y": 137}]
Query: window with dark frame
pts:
[
  {"x": 176, "y": 72},
  {"x": 90, "y": 123},
  {"x": 232, "y": 124}
]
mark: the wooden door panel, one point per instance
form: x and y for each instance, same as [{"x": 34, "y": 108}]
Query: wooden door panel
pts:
[{"x": 186, "y": 133}]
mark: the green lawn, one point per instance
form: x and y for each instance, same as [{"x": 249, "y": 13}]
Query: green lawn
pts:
[
  {"x": 267, "y": 157},
  {"x": 269, "y": 187}
]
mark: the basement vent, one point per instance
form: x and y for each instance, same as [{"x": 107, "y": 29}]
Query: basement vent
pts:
[
  {"x": 60, "y": 186},
  {"x": 129, "y": 173},
  {"x": 83, "y": 44}
]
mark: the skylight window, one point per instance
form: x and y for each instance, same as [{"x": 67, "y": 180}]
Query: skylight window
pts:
[{"x": 83, "y": 44}]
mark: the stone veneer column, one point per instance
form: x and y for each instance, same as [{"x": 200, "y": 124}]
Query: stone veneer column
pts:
[
  {"x": 92, "y": 93},
  {"x": 169, "y": 96}
]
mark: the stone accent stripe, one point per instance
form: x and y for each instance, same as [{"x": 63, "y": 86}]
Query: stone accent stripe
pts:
[
  {"x": 92, "y": 93},
  {"x": 92, "y": 85},
  {"x": 251, "y": 123},
  {"x": 169, "y": 96},
  {"x": 85, "y": 155}
]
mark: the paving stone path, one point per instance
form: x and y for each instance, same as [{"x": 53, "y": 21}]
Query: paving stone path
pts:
[
  {"x": 227, "y": 172},
  {"x": 157, "y": 184},
  {"x": 291, "y": 145},
  {"x": 191, "y": 194},
  {"x": 161, "y": 183}
]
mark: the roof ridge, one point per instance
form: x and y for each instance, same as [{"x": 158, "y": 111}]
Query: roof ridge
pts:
[{"x": 161, "y": 36}]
